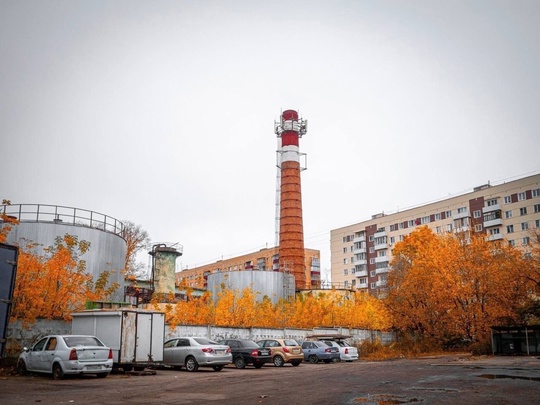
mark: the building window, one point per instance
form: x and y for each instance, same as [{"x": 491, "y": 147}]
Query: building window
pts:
[
  {"x": 371, "y": 261},
  {"x": 492, "y": 202},
  {"x": 508, "y": 199},
  {"x": 373, "y": 286},
  {"x": 449, "y": 228},
  {"x": 371, "y": 238},
  {"x": 371, "y": 249},
  {"x": 346, "y": 283},
  {"x": 448, "y": 214},
  {"x": 477, "y": 214},
  {"x": 512, "y": 242},
  {"x": 536, "y": 208},
  {"x": 438, "y": 216},
  {"x": 524, "y": 226},
  {"x": 536, "y": 192},
  {"x": 401, "y": 225},
  {"x": 353, "y": 283},
  {"x": 494, "y": 231},
  {"x": 477, "y": 228},
  {"x": 392, "y": 228},
  {"x": 522, "y": 196},
  {"x": 381, "y": 253},
  {"x": 462, "y": 210},
  {"x": 345, "y": 261},
  {"x": 438, "y": 229},
  {"x": 425, "y": 220},
  {"x": 344, "y": 250},
  {"x": 400, "y": 237},
  {"x": 372, "y": 273},
  {"x": 510, "y": 229},
  {"x": 523, "y": 211},
  {"x": 537, "y": 223},
  {"x": 508, "y": 214},
  {"x": 411, "y": 223},
  {"x": 392, "y": 240},
  {"x": 345, "y": 272},
  {"x": 526, "y": 240}
]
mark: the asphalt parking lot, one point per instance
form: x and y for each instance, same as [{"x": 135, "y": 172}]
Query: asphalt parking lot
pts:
[{"x": 451, "y": 379}]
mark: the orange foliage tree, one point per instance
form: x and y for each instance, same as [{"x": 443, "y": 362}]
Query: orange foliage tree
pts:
[
  {"x": 53, "y": 284},
  {"x": 454, "y": 286}
]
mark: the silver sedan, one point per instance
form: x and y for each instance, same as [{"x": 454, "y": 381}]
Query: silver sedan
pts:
[
  {"x": 67, "y": 354},
  {"x": 195, "y": 352}
]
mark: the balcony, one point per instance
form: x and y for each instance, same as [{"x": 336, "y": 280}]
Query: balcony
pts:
[
  {"x": 379, "y": 234},
  {"x": 381, "y": 259},
  {"x": 491, "y": 208},
  {"x": 359, "y": 261},
  {"x": 381, "y": 246},
  {"x": 359, "y": 239},
  {"x": 361, "y": 273},
  {"x": 359, "y": 250},
  {"x": 460, "y": 215},
  {"x": 362, "y": 285},
  {"x": 382, "y": 271},
  {"x": 497, "y": 236},
  {"x": 493, "y": 222},
  {"x": 381, "y": 283}
]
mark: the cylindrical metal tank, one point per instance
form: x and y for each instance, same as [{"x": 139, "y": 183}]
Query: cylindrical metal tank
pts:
[
  {"x": 42, "y": 224},
  {"x": 273, "y": 284}
]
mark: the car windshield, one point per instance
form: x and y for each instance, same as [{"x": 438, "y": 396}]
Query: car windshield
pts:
[
  {"x": 72, "y": 341},
  {"x": 204, "y": 341}
]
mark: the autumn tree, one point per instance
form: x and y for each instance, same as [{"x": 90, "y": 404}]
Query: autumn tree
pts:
[
  {"x": 454, "y": 286},
  {"x": 137, "y": 239}
]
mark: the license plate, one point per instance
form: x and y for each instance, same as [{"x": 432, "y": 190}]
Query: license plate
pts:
[
  {"x": 296, "y": 351},
  {"x": 93, "y": 367},
  {"x": 220, "y": 351},
  {"x": 265, "y": 353}
]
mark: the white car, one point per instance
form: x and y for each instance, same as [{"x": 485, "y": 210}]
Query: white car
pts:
[
  {"x": 195, "y": 352},
  {"x": 60, "y": 355},
  {"x": 346, "y": 351}
]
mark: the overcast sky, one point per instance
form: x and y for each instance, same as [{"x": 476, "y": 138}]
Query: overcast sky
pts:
[{"x": 162, "y": 112}]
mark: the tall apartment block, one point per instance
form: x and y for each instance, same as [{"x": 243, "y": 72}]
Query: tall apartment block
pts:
[
  {"x": 262, "y": 260},
  {"x": 361, "y": 253}
]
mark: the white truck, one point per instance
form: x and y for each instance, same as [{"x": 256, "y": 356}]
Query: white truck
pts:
[{"x": 135, "y": 336}]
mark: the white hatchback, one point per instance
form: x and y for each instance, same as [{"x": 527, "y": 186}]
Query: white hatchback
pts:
[
  {"x": 346, "y": 351},
  {"x": 60, "y": 355}
]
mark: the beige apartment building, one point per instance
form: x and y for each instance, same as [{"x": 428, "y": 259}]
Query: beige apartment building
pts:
[
  {"x": 361, "y": 253},
  {"x": 262, "y": 260}
]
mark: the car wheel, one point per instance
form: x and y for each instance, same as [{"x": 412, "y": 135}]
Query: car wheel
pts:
[
  {"x": 336, "y": 359},
  {"x": 191, "y": 364},
  {"x": 21, "y": 367},
  {"x": 313, "y": 359},
  {"x": 102, "y": 375},
  {"x": 295, "y": 363},
  {"x": 258, "y": 365},
  {"x": 57, "y": 372},
  {"x": 217, "y": 368},
  {"x": 239, "y": 362},
  {"x": 278, "y": 361}
]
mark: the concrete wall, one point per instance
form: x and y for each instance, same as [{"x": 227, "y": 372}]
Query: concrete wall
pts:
[{"x": 19, "y": 337}]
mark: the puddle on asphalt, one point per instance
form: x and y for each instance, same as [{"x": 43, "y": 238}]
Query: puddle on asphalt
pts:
[
  {"x": 513, "y": 377},
  {"x": 386, "y": 400}
]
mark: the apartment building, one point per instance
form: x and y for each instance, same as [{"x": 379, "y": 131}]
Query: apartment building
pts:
[
  {"x": 262, "y": 260},
  {"x": 361, "y": 253}
]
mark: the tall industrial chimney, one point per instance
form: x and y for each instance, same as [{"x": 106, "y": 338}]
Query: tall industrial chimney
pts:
[{"x": 291, "y": 229}]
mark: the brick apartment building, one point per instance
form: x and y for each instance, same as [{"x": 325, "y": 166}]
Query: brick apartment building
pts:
[
  {"x": 262, "y": 260},
  {"x": 361, "y": 253}
]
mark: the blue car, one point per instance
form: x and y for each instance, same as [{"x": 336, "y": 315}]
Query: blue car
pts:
[{"x": 315, "y": 351}]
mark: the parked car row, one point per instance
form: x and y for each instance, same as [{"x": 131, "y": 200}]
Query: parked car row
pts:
[{"x": 62, "y": 355}]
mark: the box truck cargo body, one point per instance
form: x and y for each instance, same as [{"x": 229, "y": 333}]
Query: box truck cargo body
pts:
[{"x": 135, "y": 336}]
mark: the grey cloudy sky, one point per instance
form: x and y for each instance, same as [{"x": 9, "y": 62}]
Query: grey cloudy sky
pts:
[{"x": 162, "y": 112}]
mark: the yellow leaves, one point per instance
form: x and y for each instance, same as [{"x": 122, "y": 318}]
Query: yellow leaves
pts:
[{"x": 451, "y": 285}]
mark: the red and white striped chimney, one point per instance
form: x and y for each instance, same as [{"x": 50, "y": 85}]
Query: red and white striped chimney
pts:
[{"x": 291, "y": 228}]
